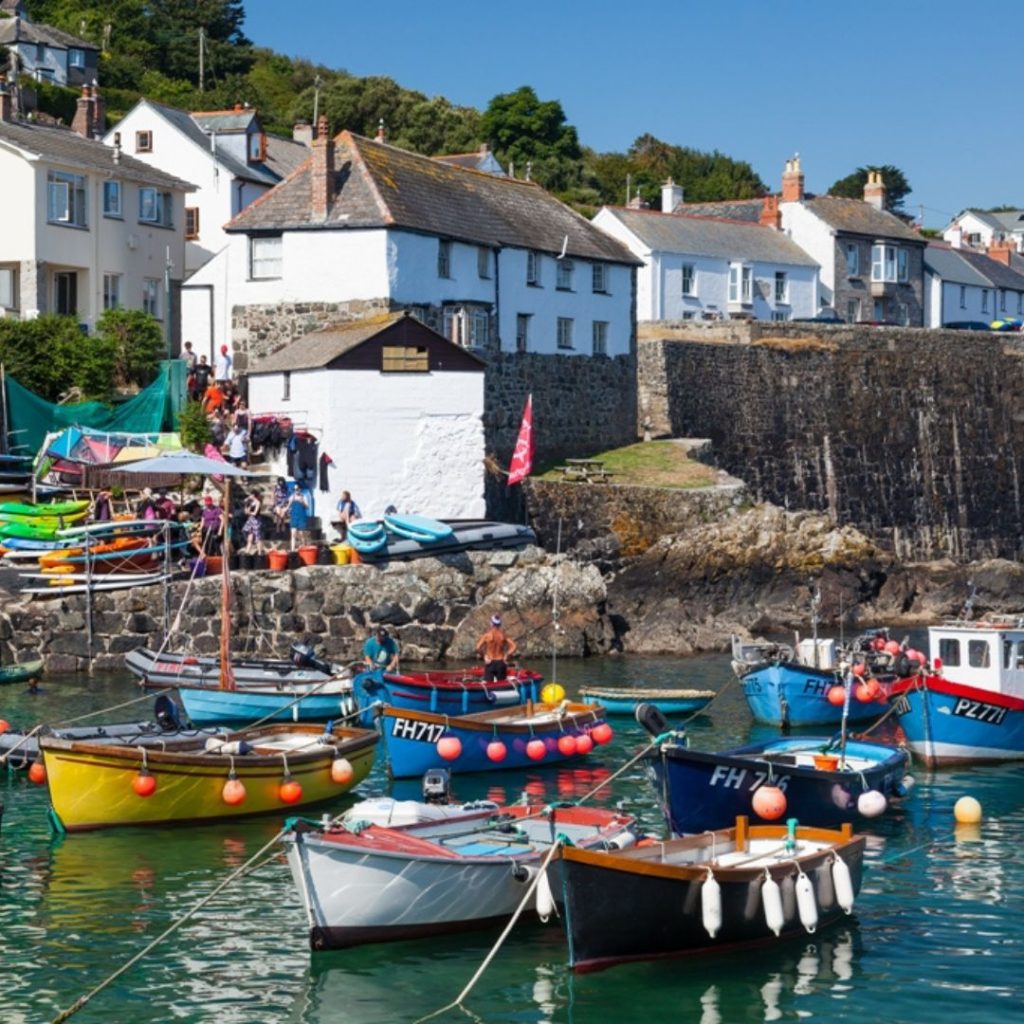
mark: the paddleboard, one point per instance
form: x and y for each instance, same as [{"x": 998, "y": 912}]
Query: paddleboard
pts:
[
  {"x": 366, "y": 530},
  {"x": 420, "y": 528},
  {"x": 103, "y": 583}
]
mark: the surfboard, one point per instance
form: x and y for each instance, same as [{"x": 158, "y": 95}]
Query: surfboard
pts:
[{"x": 419, "y": 528}]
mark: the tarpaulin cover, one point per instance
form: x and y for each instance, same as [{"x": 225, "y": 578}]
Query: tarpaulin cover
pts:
[{"x": 30, "y": 418}]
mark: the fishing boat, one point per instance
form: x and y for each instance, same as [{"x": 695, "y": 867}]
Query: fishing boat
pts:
[
  {"x": 669, "y": 700},
  {"x": 827, "y": 781},
  {"x": 459, "y": 692},
  {"x": 25, "y": 672},
  {"x": 94, "y": 784},
  {"x": 526, "y": 735},
  {"x": 970, "y": 706},
  {"x": 718, "y": 891},
  {"x": 364, "y": 883},
  {"x": 286, "y": 701}
]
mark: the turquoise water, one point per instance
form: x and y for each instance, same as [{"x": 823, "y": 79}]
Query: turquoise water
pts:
[{"x": 936, "y": 931}]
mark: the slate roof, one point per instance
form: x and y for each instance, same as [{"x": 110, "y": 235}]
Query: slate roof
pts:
[
  {"x": 223, "y": 120},
  {"x": 998, "y": 273},
  {"x": 733, "y": 209},
  {"x": 18, "y": 30},
  {"x": 856, "y": 217},
  {"x": 61, "y": 145},
  {"x": 1004, "y": 220},
  {"x": 949, "y": 265},
  {"x": 284, "y": 155},
  {"x": 377, "y": 185},
  {"x": 711, "y": 236}
]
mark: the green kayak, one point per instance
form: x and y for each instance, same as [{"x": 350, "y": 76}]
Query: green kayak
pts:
[
  {"x": 19, "y": 673},
  {"x": 29, "y": 531},
  {"x": 53, "y": 508},
  {"x": 49, "y": 521}
]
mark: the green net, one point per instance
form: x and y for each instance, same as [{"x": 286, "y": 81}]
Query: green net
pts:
[{"x": 30, "y": 418}]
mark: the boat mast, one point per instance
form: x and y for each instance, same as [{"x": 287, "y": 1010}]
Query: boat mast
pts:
[{"x": 227, "y": 674}]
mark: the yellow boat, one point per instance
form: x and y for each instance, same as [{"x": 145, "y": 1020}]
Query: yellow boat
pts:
[{"x": 99, "y": 784}]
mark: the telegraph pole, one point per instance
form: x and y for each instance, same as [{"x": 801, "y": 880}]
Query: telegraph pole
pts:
[{"x": 202, "y": 55}]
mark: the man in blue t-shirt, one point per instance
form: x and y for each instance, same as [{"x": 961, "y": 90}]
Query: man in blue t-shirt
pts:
[{"x": 381, "y": 651}]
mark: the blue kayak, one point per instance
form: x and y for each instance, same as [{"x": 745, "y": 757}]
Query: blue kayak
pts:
[
  {"x": 366, "y": 537},
  {"x": 419, "y": 528}
]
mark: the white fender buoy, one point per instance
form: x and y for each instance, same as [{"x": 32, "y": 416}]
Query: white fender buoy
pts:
[
  {"x": 905, "y": 785},
  {"x": 842, "y": 883},
  {"x": 871, "y": 803},
  {"x": 771, "y": 900},
  {"x": 805, "y": 903},
  {"x": 545, "y": 899},
  {"x": 711, "y": 904}
]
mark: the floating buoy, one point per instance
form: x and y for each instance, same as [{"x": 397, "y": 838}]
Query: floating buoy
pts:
[
  {"x": 342, "y": 771},
  {"x": 878, "y": 644},
  {"x": 144, "y": 784},
  {"x": 233, "y": 792},
  {"x": 711, "y": 904},
  {"x": 4, "y": 726},
  {"x": 553, "y": 693},
  {"x": 771, "y": 900},
  {"x": 602, "y": 733},
  {"x": 37, "y": 773},
  {"x": 905, "y": 785},
  {"x": 859, "y": 668},
  {"x": 289, "y": 791},
  {"x": 496, "y": 751},
  {"x": 536, "y": 749},
  {"x": 769, "y": 803},
  {"x": 871, "y": 803},
  {"x": 967, "y": 811},
  {"x": 914, "y": 655},
  {"x": 842, "y": 883},
  {"x": 566, "y": 745},
  {"x": 892, "y": 647},
  {"x": 449, "y": 747},
  {"x": 836, "y": 695},
  {"x": 545, "y": 899},
  {"x": 805, "y": 904},
  {"x": 584, "y": 744},
  {"x": 863, "y": 693}
]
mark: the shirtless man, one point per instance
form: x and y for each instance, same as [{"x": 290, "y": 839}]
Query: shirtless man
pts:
[{"x": 495, "y": 647}]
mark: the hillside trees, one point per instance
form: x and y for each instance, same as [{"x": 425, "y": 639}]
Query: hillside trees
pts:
[{"x": 896, "y": 185}]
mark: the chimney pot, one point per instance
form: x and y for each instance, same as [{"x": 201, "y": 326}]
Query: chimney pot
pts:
[
  {"x": 793, "y": 181},
  {"x": 381, "y": 136},
  {"x": 874, "y": 190},
  {"x": 671, "y": 196}
]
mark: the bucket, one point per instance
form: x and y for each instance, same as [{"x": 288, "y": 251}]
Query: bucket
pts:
[
  {"x": 214, "y": 565},
  {"x": 277, "y": 560},
  {"x": 308, "y": 553},
  {"x": 826, "y": 762},
  {"x": 353, "y": 557},
  {"x": 342, "y": 554}
]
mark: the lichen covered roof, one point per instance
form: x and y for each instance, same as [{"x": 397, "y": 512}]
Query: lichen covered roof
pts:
[{"x": 854, "y": 216}]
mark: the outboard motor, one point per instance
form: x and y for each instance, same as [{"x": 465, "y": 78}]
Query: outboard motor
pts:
[
  {"x": 651, "y": 717},
  {"x": 167, "y": 714},
  {"x": 304, "y": 656},
  {"x": 437, "y": 786}
]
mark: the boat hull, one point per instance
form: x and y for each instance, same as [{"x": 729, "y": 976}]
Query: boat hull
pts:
[
  {"x": 21, "y": 673},
  {"x": 625, "y": 702},
  {"x": 165, "y": 671},
  {"x": 702, "y": 791},
  {"x": 949, "y": 723},
  {"x": 786, "y": 694},
  {"x": 208, "y": 705}
]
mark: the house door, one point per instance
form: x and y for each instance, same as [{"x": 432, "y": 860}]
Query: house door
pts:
[{"x": 65, "y": 293}]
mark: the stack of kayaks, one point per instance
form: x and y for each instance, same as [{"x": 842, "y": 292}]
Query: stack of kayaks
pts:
[
  {"x": 39, "y": 522},
  {"x": 413, "y": 536}
]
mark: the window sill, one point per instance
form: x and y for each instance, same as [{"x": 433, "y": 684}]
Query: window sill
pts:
[
  {"x": 570, "y": 290},
  {"x": 112, "y": 216},
  {"x": 66, "y": 224},
  {"x": 275, "y": 277},
  {"x": 603, "y": 291},
  {"x": 155, "y": 224},
  {"x": 534, "y": 284}
]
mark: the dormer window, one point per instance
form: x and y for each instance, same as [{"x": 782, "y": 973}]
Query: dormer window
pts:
[{"x": 257, "y": 147}]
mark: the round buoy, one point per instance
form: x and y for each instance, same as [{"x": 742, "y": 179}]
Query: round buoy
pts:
[
  {"x": 553, "y": 693},
  {"x": 602, "y": 733},
  {"x": 37, "y": 773},
  {"x": 863, "y": 693},
  {"x": 836, "y": 695},
  {"x": 496, "y": 751},
  {"x": 874, "y": 688},
  {"x": 449, "y": 747},
  {"x": 4, "y": 726},
  {"x": 233, "y": 792},
  {"x": 892, "y": 647},
  {"x": 769, "y": 803},
  {"x": 878, "y": 644},
  {"x": 289, "y": 791},
  {"x": 871, "y": 803},
  {"x": 144, "y": 784},
  {"x": 566, "y": 745},
  {"x": 584, "y": 744},
  {"x": 536, "y": 749},
  {"x": 967, "y": 811},
  {"x": 859, "y": 668},
  {"x": 342, "y": 771}
]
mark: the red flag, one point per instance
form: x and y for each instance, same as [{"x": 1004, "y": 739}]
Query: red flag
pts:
[{"x": 522, "y": 458}]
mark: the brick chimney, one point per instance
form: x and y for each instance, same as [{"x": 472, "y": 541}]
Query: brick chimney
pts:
[
  {"x": 635, "y": 203},
  {"x": 322, "y": 171},
  {"x": 1001, "y": 250},
  {"x": 770, "y": 216},
  {"x": 82, "y": 122},
  {"x": 874, "y": 190},
  {"x": 303, "y": 132},
  {"x": 6, "y": 104},
  {"x": 381, "y": 134},
  {"x": 99, "y": 113},
  {"x": 671, "y": 196},
  {"x": 793, "y": 182}
]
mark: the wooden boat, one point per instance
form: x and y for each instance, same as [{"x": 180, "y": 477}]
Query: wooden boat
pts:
[
  {"x": 94, "y": 784},
  {"x": 165, "y": 670},
  {"x": 712, "y": 892},
  {"x": 27, "y": 670},
  {"x": 286, "y": 701},
  {"x": 527, "y": 735},
  {"x": 970, "y": 707},
  {"x": 669, "y": 701},
  {"x": 456, "y": 693},
  {"x": 382, "y": 884}
]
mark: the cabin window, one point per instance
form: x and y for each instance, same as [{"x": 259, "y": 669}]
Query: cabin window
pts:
[
  {"x": 949, "y": 651},
  {"x": 405, "y": 359},
  {"x": 978, "y": 654}
]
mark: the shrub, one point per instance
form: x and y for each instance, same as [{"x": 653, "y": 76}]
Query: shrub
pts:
[
  {"x": 137, "y": 342},
  {"x": 194, "y": 426}
]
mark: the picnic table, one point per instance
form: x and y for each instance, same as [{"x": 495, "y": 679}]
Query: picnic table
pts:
[{"x": 588, "y": 470}]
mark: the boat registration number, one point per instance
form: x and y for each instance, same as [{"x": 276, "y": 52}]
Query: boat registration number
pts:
[
  {"x": 744, "y": 778},
  {"x": 419, "y": 732},
  {"x": 993, "y": 714}
]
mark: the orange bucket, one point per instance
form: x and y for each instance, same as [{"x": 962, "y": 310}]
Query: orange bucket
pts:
[
  {"x": 826, "y": 762},
  {"x": 308, "y": 553},
  {"x": 277, "y": 560}
]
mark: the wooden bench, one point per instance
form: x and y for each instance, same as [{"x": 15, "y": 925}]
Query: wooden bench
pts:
[{"x": 587, "y": 470}]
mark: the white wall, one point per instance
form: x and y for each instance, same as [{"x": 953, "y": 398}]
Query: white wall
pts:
[
  {"x": 415, "y": 441},
  {"x": 944, "y": 304},
  {"x": 816, "y": 239},
  {"x": 647, "y": 295},
  {"x": 17, "y": 207},
  {"x": 412, "y": 266}
]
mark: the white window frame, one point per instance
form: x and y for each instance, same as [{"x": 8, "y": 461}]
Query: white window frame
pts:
[
  {"x": 740, "y": 284},
  {"x": 9, "y": 288},
  {"x": 885, "y": 262},
  {"x": 76, "y": 57},
  {"x": 444, "y": 258},
  {"x": 523, "y": 332},
  {"x": 112, "y": 199},
  {"x": 144, "y": 142},
  {"x": 111, "y": 291},
  {"x": 563, "y": 277},
  {"x": 779, "y": 315},
  {"x": 151, "y": 297},
  {"x": 599, "y": 337},
  {"x": 689, "y": 284},
  {"x": 67, "y": 199},
  {"x": 564, "y": 333},
  {"x": 781, "y": 293},
  {"x": 533, "y": 268},
  {"x": 852, "y": 259},
  {"x": 599, "y": 279},
  {"x": 852, "y": 310},
  {"x": 453, "y": 322},
  {"x": 155, "y": 207},
  {"x": 266, "y": 257},
  {"x": 479, "y": 328}
]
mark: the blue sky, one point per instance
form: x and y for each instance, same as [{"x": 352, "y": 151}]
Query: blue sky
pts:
[{"x": 931, "y": 86}]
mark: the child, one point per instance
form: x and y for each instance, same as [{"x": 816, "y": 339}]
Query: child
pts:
[{"x": 253, "y": 528}]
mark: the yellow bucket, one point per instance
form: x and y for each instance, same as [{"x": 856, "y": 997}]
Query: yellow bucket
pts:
[{"x": 342, "y": 554}]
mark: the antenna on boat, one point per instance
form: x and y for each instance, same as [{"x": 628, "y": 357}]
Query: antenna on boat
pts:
[{"x": 968, "y": 609}]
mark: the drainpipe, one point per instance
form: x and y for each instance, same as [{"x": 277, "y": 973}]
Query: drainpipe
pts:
[{"x": 497, "y": 294}]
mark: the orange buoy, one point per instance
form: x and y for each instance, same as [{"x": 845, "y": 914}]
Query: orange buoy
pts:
[
  {"x": 859, "y": 668},
  {"x": 289, "y": 791},
  {"x": 449, "y": 747},
  {"x": 584, "y": 744},
  {"x": 342, "y": 771},
  {"x": 567, "y": 745},
  {"x": 37, "y": 773},
  {"x": 602, "y": 733},
  {"x": 892, "y": 647},
  {"x": 536, "y": 749},
  {"x": 233, "y": 792},
  {"x": 4, "y": 726},
  {"x": 836, "y": 695},
  {"x": 496, "y": 751},
  {"x": 144, "y": 784},
  {"x": 769, "y": 803},
  {"x": 863, "y": 693}
]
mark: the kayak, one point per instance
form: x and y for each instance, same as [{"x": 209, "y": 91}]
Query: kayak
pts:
[
  {"x": 52, "y": 508},
  {"x": 19, "y": 673}
]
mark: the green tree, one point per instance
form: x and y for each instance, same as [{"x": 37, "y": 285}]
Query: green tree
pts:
[
  {"x": 137, "y": 342},
  {"x": 896, "y": 185},
  {"x": 194, "y": 426},
  {"x": 175, "y": 27}
]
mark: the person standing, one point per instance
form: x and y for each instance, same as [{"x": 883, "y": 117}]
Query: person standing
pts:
[
  {"x": 381, "y": 651},
  {"x": 253, "y": 528},
  {"x": 222, "y": 368},
  {"x": 495, "y": 647},
  {"x": 237, "y": 447},
  {"x": 189, "y": 356},
  {"x": 200, "y": 380}
]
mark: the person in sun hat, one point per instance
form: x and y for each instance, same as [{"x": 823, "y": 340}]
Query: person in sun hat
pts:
[
  {"x": 495, "y": 647},
  {"x": 381, "y": 650}
]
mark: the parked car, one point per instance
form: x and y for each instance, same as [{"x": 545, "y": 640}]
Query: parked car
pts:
[
  {"x": 825, "y": 315},
  {"x": 967, "y": 325}
]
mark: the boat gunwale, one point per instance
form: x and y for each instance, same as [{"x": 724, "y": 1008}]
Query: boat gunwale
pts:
[{"x": 487, "y": 721}]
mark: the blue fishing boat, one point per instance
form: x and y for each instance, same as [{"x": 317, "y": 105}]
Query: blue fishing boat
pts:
[
  {"x": 525, "y": 736},
  {"x": 452, "y": 693},
  {"x": 819, "y": 780},
  {"x": 971, "y": 706},
  {"x": 289, "y": 702},
  {"x": 418, "y": 528},
  {"x": 669, "y": 701}
]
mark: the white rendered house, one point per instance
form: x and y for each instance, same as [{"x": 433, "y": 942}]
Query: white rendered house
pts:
[
  {"x": 979, "y": 229},
  {"x": 964, "y": 286}
]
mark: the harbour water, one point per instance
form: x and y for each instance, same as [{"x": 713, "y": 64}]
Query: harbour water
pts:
[{"x": 935, "y": 933}]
